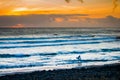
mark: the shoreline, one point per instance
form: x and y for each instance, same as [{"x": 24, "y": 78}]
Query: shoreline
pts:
[
  {"x": 99, "y": 72},
  {"x": 12, "y": 71}
]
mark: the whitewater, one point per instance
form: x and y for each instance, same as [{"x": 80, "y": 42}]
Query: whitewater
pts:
[{"x": 23, "y": 50}]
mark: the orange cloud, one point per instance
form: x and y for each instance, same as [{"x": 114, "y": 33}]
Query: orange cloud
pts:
[
  {"x": 17, "y": 26},
  {"x": 59, "y": 20}
]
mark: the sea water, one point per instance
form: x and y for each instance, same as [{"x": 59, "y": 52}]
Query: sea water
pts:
[{"x": 23, "y": 50}]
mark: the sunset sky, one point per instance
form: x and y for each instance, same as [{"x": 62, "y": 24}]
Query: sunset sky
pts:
[{"x": 59, "y": 13}]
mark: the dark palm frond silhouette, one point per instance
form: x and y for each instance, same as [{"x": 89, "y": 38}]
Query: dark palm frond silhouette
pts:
[
  {"x": 81, "y": 1},
  {"x": 115, "y": 4},
  {"x": 67, "y": 1},
  {"x": 70, "y": 0}
]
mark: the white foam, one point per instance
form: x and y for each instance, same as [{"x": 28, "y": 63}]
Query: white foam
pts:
[{"x": 55, "y": 49}]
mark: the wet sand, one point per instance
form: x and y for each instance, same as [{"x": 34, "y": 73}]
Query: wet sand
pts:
[{"x": 106, "y": 72}]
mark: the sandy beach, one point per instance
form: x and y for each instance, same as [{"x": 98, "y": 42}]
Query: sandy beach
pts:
[{"x": 106, "y": 72}]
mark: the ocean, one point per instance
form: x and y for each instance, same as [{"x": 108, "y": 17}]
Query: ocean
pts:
[{"x": 32, "y": 49}]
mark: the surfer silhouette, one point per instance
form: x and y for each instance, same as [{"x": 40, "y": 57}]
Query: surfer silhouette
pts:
[
  {"x": 79, "y": 60},
  {"x": 79, "y": 57}
]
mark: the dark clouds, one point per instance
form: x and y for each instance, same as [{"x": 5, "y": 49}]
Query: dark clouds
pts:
[
  {"x": 65, "y": 21},
  {"x": 32, "y": 20}
]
